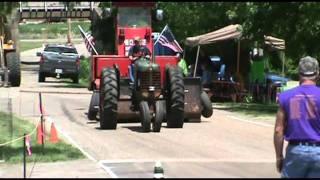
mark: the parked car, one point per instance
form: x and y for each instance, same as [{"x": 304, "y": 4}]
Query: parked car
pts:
[{"x": 60, "y": 61}]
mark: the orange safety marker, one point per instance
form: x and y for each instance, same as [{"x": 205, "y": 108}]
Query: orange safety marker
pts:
[
  {"x": 53, "y": 134},
  {"x": 39, "y": 134}
]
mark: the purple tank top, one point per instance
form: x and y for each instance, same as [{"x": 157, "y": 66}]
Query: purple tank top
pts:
[{"x": 302, "y": 107}]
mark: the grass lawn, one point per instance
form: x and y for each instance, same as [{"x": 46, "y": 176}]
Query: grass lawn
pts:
[
  {"x": 51, "y": 30},
  {"x": 24, "y": 46},
  {"x": 27, "y": 45},
  {"x": 84, "y": 72},
  {"x": 253, "y": 109},
  {"x": 13, "y": 153}
]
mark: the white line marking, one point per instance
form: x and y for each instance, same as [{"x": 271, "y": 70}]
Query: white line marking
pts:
[
  {"x": 257, "y": 123},
  {"x": 109, "y": 171}
]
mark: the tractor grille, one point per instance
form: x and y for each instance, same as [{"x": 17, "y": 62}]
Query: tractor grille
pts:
[{"x": 150, "y": 79}]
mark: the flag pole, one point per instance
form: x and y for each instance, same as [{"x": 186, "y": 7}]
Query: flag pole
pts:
[
  {"x": 195, "y": 68},
  {"x": 24, "y": 156},
  {"x": 95, "y": 51},
  {"x": 160, "y": 34}
]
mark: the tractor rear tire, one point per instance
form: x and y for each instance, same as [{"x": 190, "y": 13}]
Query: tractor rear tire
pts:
[
  {"x": 159, "y": 117},
  {"x": 41, "y": 77},
  {"x": 109, "y": 99},
  {"x": 92, "y": 112},
  {"x": 175, "y": 101},
  {"x": 207, "y": 105},
  {"x": 145, "y": 116},
  {"x": 13, "y": 64},
  {"x": 75, "y": 79}
]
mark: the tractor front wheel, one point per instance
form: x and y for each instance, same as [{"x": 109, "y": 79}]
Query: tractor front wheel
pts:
[
  {"x": 207, "y": 105},
  {"x": 41, "y": 77},
  {"x": 159, "y": 117},
  {"x": 13, "y": 63},
  {"x": 145, "y": 116},
  {"x": 92, "y": 112}
]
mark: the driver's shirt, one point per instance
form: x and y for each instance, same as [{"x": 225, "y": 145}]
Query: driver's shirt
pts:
[{"x": 137, "y": 51}]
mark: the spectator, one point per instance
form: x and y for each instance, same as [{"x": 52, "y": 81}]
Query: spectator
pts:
[
  {"x": 206, "y": 70},
  {"x": 298, "y": 122},
  {"x": 183, "y": 65}
]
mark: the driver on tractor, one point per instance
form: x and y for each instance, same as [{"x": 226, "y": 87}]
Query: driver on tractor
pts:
[{"x": 135, "y": 52}]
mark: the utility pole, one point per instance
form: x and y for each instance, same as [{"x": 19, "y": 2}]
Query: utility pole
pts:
[
  {"x": 68, "y": 7},
  {"x": 69, "y": 31}
]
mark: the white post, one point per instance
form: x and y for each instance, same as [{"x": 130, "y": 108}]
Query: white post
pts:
[
  {"x": 20, "y": 4},
  {"x": 1, "y": 53},
  {"x": 45, "y": 6},
  {"x": 91, "y": 6},
  {"x": 195, "y": 67}
]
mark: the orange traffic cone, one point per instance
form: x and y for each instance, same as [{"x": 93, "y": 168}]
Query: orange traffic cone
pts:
[
  {"x": 39, "y": 134},
  {"x": 53, "y": 134}
]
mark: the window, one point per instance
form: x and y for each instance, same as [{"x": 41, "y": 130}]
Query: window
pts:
[
  {"x": 69, "y": 50},
  {"x": 52, "y": 49},
  {"x": 137, "y": 16},
  {"x": 61, "y": 50}
]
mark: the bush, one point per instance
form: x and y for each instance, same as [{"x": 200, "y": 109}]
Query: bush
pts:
[
  {"x": 84, "y": 70},
  {"x": 292, "y": 69}
]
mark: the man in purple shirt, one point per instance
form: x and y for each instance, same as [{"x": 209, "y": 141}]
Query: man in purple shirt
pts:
[{"x": 298, "y": 122}]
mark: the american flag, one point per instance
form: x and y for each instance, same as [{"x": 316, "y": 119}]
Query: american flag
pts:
[
  {"x": 167, "y": 39},
  {"x": 88, "y": 40}
]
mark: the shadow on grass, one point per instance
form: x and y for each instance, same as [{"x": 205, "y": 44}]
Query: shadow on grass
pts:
[{"x": 249, "y": 109}]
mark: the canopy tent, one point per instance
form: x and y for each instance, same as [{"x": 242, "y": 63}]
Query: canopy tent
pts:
[
  {"x": 226, "y": 33},
  {"x": 276, "y": 44}
]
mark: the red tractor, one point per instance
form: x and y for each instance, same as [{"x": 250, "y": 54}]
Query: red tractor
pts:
[{"x": 159, "y": 92}]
